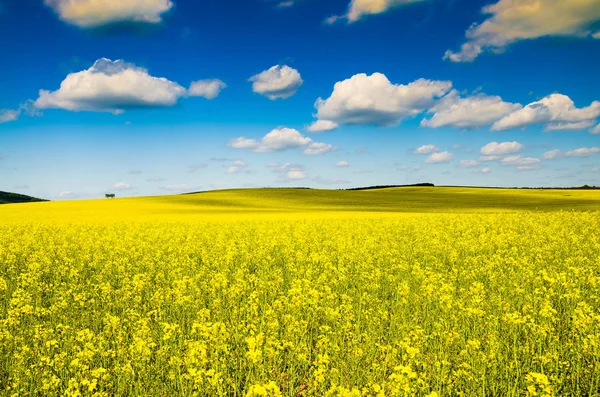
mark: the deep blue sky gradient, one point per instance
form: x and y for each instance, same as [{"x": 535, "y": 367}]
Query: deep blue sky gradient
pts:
[{"x": 87, "y": 153}]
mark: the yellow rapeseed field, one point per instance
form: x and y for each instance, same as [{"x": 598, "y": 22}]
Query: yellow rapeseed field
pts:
[{"x": 147, "y": 297}]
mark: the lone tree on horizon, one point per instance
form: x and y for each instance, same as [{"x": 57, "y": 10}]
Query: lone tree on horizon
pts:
[{"x": 110, "y": 195}]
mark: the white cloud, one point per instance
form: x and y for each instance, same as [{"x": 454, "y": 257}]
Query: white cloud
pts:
[
  {"x": 510, "y": 21},
  {"x": 552, "y": 154},
  {"x": 342, "y": 163},
  {"x": 290, "y": 172},
  {"x": 93, "y": 13},
  {"x": 318, "y": 148},
  {"x": 285, "y": 4},
  {"x": 233, "y": 170},
  {"x": 595, "y": 130},
  {"x": 427, "y": 149},
  {"x": 359, "y": 8},
  {"x": 122, "y": 186},
  {"x": 374, "y": 100},
  {"x": 440, "y": 157},
  {"x": 471, "y": 112},
  {"x": 273, "y": 164},
  {"x": 583, "y": 152},
  {"x": 501, "y": 149},
  {"x": 278, "y": 82},
  {"x": 239, "y": 163},
  {"x": 7, "y": 115},
  {"x": 521, "y": 163},
  {"x": 66, "y": 194},
  {"x": 111, "y": 87},
  {"x": 489, "y": 158},
  {"x": 486, "y": 170},
  {"x": 555, "y": 111},
  {"x": 281, "y": 139},
  {"x": 209, "y": 89},
  {"x": 322, "y": 126},
  {"x": 243, "y": 143},
  {"x": 468, "y": 163},
  {"x": 565, "y": 126},
  {"x": 296, "y": 174}
]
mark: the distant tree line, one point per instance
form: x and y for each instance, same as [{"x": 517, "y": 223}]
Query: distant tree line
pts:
[
  {"x": 10, "y": 198},
  {"x": 110, "y": 195},
  {"x": 392, "y": 186}
]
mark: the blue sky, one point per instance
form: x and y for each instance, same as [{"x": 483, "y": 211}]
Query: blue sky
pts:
[{"x": 169, "y": 96}]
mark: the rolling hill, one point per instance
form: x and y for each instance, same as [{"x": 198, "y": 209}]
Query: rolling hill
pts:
[
  {"x": 279, "y": 202},
  {"x": 12, "y": 198}
]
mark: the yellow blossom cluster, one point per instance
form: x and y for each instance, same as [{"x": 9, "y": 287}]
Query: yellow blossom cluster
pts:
[{"x": 428, "y": 305}]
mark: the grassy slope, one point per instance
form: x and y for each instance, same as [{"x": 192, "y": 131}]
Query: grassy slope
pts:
[{"x": 279, "y": 202}]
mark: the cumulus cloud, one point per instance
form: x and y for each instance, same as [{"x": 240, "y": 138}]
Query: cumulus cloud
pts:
[
  {"x": 556, "y": 111},
  {"x": 289, "y": 172},
  {"x": 278, "y": 82},
  {"x": 285, "y": 4},
  {"x": 317, "y": 148},
  {"x": 342, "y": 163},
  {"x": 510, "y": 21},
  {"x": 281, "y": 139},
  {"x": 233, "y": 170},
  {"x": 27, "y": 108},
  {"x": 7, "y": 115},
  {"x": 122, "y": 186},
  {"x": 576, "y": 126},
  {"x": 471, "y": 112},
  {"x": 209, "y": 89},
  {"x": 374, "y": 100},
  {"x": 360, "y": 8},
  {"x": 552, "y": 154},
  {"x": 583, "y": 152},
  {"x": 489, "y": 158},
  {"x": 486, "y": 170},
  {"x": 239, "y": 163},
  {"x": 468, "y": 163},
  {"x": 66, "y": 194},
  {"x": 322, "y": 126},
  {"x": 243, "y": 143},
  {"x": 427, "y": 149},
  {"x": 296, "y": 174},
  {"x": 521, "y": 163},
  {"x": 595, "y": 130},
  {"x": 439, "y": 157},
  {"x": 501, "y": 149},
  {"x": 94, "y": 13},
  {"x": 111, "y": 87}
]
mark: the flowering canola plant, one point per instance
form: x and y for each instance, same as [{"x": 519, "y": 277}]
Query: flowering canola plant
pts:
[{"x": 338, "y": 304}]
